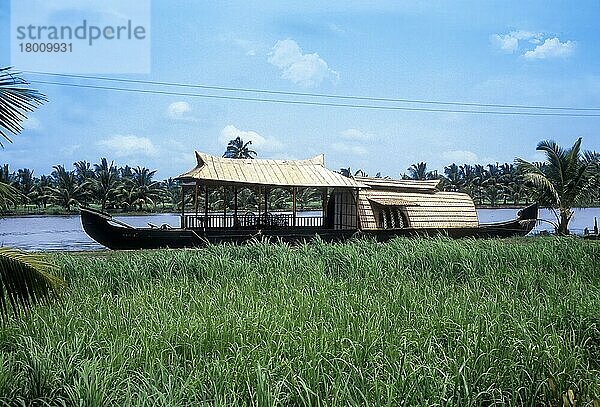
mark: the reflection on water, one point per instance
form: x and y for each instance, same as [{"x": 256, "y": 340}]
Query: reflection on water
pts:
[{"x": 66, "y": 233}]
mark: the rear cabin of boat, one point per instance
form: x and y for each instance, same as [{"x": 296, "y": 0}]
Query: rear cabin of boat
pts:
[
  {"x": 399, "y": 204},
  {"x": 240, "y": 193}
]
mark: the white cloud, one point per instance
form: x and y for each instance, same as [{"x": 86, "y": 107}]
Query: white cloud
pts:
[
  {"x": 509, "y": 43},
  {"x": 506, "y": 43},
  {"x": 304, "y": 69},
  {"x": 350, "y": 148},
  {"x": 177, "y": 110},
  {"x": 544, "y": 47},
  {"x": 460, "y": 156},
  {"x": 128, "y": 145},
  {"x": 355, "y": 134},
  {"x": 551, "y": 48},
  {"x": 259, "y": 143},
  {"x": 32, "y": 123}
]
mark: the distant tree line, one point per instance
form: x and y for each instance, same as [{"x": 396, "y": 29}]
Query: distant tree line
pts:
[
  {"x": 103, "y": 184},
  {"x": 491, "y": 184},
  {"x": 134, "y": 188}
]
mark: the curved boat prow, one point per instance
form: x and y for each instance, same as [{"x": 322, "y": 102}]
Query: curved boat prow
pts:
[
  {"x": 529, "y": 213},
  {"x": 525, "y": 222}
]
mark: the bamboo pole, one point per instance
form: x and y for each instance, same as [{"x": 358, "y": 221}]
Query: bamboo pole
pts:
[
  {"x": 266, "y": 203},
  {"x": 294, "y": 189},
  {"x": 182, "y": 223},
  {"x": 324, "y": 207},
  {"x": 196, "y": 204},
  {"x": 206, "y": 206},
  {"x": 235, "y": 206},
  {"x": 224, "y": 206}
]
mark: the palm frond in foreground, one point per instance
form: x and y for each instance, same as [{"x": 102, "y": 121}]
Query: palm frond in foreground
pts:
[
  {"x": 25, "y": 280},
  {"x": 16, "y": 99}
]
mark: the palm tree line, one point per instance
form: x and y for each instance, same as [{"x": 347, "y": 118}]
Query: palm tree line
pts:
[
  {"x": 489, "y": 185},
  {"x": 131, "y": 189},
  {"x": 134, "y": 189},
  {"x": 103, "y": 184}
]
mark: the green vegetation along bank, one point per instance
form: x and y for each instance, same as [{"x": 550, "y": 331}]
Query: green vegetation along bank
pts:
[{"x": 411, "y": 322}]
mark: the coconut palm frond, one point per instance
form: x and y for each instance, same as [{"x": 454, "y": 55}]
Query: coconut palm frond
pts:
[
  {"x": 556, "y": 157},
  {"x": 591, "y": 157},
  {"x": 525, "y": 167},
  {"x": 544, "y": 185},
  {"x": 8, "y": 195},
  {"x": 25, "y": 280},
  {"x": 16, "y": 99}
]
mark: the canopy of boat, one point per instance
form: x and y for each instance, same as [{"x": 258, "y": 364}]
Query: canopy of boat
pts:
[
  {"x": 422, "y": 204},
  {"x": 282, "y": 173}
]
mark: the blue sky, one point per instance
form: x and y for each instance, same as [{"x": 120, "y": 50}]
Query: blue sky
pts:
[{"x": 528, "y": 53}]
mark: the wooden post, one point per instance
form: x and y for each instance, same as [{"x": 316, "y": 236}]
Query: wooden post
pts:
[
  {"x": 266, "y": 203},
  {"x": 224, "y": 206},
  {"x": 294, "y": 206},
  {"x": 206, "y": 206},
  {"x": 182, "y": 223},
  {"x": 235, "y": 206},
  {"x": 196, "y": 204},
  {"x": 324, "y": 198}
]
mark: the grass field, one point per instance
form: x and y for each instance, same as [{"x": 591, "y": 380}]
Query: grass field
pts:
[{"x": 410, "y": 322}]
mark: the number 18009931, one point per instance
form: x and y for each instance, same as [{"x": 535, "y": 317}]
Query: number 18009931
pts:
[{"x": 46, "y": 47}]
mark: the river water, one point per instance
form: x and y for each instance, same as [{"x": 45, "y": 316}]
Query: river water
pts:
[{"x": 49, "y": 233}]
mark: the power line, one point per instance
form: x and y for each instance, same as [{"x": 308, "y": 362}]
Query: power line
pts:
[
  {"x": 309, "y": 103},
  {"x": 318, "y": 95}
]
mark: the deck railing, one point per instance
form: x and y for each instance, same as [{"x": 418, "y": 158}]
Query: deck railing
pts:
[{"x": 248, "y": 220}]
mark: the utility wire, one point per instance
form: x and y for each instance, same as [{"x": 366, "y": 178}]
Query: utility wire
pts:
[
  {"x": 309, "y": 103},
  {"x": 317, "y": 95}
]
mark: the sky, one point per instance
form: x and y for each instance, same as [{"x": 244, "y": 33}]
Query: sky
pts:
[{"x": 534, "y": 53}]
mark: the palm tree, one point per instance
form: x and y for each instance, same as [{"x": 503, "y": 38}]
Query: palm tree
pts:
[
  {"x": 566, "y": 181},
  {"x": 41, "y": 193},
  {"x": 141, "y": 190},
  {"x": 67, "y": 192},
  {"x": 24, "y": 278},
  {"x": 418, "y": 171},
  {"x": 26, "y": 184},
  {"x": 453, "y": 177},
  {"x": 105, "y": 182},
  {"x": 238, "y": 149}
]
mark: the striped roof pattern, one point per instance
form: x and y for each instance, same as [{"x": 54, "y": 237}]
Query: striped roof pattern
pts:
[
  {"x": 423, "y": 210},
  {"x": 298, "y": 173},
  {"x": 400, "y": 184}
]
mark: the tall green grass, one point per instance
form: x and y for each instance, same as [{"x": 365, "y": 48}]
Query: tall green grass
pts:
[{"x": 410, "y": 322}]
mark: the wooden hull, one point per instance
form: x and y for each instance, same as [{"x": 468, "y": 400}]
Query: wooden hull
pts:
[{"x": 101, "y": 227}]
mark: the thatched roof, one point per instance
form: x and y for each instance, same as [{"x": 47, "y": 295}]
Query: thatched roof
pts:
[
  {"x": 298, "y": 173},
  {"x": 400, "y": 184},
  {"x": 423, "y": 210}
]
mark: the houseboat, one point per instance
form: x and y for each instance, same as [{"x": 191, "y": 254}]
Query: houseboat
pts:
[{"x": 243, "y": 190}]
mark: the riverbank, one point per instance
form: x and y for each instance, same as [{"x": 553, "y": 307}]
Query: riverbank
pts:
[{"x": 413, "y": 321}]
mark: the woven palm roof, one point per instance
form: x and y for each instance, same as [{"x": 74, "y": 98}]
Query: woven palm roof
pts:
[
  {"x": 390, "y": 201},
  {"x": 425, "y": 210},
  {"x": 299, "y": 173},
  {"x": 400, "y": 184}
]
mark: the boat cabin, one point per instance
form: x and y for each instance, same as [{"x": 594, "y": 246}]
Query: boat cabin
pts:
[{"x": 226, "y": 193}]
